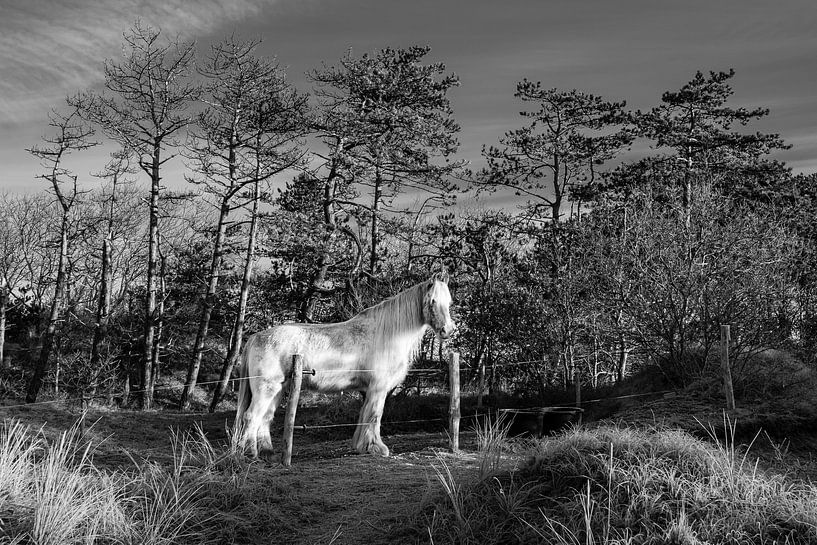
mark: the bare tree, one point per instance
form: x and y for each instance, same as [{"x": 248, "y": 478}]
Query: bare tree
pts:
[
  {"x": 264, "y": 140},
  {"x": 12, "y": 263},
  {"x": 237, "y": 333},
  {"x": 118, "y": 168},
  {"x": 144, "y": 107},
  {"x": 250, "y": 104},
  {"x": 70, "y": 135},
  {"x": 33, "y": 218}
]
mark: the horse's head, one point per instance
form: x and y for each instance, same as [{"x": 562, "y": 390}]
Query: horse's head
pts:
[{"x": 436, "y": 303}]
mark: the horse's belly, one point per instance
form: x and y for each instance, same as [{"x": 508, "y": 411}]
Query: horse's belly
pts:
[
  {"x": 337, "y": 386},
  {"x": 335, "y": 380}
]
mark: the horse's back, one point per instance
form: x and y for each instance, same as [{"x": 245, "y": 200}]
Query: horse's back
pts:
[
  {"x": 338, "y": 352},
  {"x": 310, "y": 341}
]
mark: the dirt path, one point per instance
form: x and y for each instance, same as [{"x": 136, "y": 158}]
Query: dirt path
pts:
[
  {"x": 329, "y": 495},
  {"x": 354, "y": 499}
]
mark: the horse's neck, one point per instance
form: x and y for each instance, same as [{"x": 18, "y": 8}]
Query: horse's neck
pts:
[{"x": 400, "y": 319}]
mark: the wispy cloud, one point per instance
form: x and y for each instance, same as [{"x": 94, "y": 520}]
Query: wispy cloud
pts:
[{"x": 50, "y": 49}]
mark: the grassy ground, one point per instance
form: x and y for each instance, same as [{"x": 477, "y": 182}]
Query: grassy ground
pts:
[
  {"x": 660, "y": 469},
  {"x": 175, "y": 475},
  {"x": 140, "y": 483}
]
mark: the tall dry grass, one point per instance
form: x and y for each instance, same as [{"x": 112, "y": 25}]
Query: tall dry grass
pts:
[
  {"x": 624, "y": 485},
  {"x": 51, "y": 492},
  {"x": 492, "y": 442}
]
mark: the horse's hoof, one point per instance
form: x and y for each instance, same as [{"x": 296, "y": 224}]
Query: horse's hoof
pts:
[
  {"x": 372, "y": 448},
  {"x": 379, "y": 449},
  {"x": 267, "y": 455}
]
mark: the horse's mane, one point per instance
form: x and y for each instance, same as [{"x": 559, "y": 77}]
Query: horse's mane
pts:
[{"x": 398, "y": 319}]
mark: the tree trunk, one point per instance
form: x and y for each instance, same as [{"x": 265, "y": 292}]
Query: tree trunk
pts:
[
  {"x": 238, "y": 326},
  {"x": 126, "y": 391},
  {"x": 413, "y": 234},
  {"x": 687, "y": 195},
  {"x": 102, "y": 311},
  {"x": 307, "y": 313},
  {"x": 623, "y": 355},
  {"x": 577, "y": 382},
  {"x": 207, "y": 305},
  {"x": 378, "y": 194},
  {"x": 146, "y": 395},
  {"x": 41, "y": 367},
  {"x": 479, "y": 362},
  {"x": 565, "y": 372},
  {"x": 594, "y": 380},
  {"x": 4, "y": 297},
  {"x": 491, "y": 367},
  {"x": 159, "y": 327},
  {"x": 556, "y": 203},
  {"x": 308, "y": 307}
]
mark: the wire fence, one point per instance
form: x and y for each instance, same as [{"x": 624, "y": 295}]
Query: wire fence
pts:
[
  {"x": 89, "y": 397},
  {"x": 310, "y": 371},
  {"x": 307, "y": 427},
  {"x": 296, "y": 374},
  {"x": 313, "y": 372}
]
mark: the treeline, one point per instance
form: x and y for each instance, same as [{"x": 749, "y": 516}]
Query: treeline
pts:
[{"x": 596, "y": 264}]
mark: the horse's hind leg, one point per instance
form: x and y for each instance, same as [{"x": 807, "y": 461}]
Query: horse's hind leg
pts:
[
  {"x": 253, "y": 422},
  {"x": 367, "y": 436},
  {"x": 359, "y": 428},
  {"x": 264, "y": 437},
  {"x": 266, "y": 396}
]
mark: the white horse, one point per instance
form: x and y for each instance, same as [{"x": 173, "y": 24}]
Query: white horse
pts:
[{"x": 371, "y": 352}]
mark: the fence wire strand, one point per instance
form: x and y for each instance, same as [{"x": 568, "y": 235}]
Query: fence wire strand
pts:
[{"x": 312, "y": 372}]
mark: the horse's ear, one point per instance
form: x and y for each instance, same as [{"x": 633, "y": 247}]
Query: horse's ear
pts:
[{"x": 442, "y": 276}]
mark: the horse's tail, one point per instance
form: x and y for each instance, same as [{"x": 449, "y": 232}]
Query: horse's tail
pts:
[{"x": 244, "y": 392}]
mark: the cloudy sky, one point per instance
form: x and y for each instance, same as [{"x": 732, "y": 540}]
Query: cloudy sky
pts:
[{"x": 624, "y": 49}]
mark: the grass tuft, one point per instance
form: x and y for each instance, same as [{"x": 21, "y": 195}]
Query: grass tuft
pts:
[
  {"x": 621, "y": 485},
  {"x": 492, "y": 440},
  {"x": 51, "y": 492}
]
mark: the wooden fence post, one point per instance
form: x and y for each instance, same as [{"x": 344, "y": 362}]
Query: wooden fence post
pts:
[
  {"x": 481, "y": 383},
  {"x": 295, "y": 379},
  {"x": 454, "y": 405},
  {"x": 577, "y": 384},
  {"x": 84, "y": 406},
  {"x": 727, "y": 372}
]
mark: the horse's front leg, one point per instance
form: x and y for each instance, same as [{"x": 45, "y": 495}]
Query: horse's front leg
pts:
[{"x": 367, "y": 435}]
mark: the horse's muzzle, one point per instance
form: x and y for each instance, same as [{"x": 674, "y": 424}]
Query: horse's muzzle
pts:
[{"x": 447, "y": 331}]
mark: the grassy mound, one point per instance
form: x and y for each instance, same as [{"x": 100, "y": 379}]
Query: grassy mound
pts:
[
  {"x": 626, "y": 485},
  {"x": 51, "y": 492}
]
